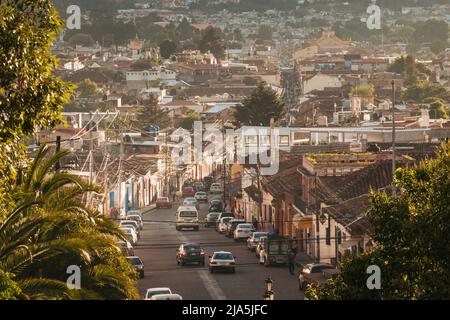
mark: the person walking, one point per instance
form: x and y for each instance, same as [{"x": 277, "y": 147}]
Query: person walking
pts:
[{"x": 291, "y": 261}]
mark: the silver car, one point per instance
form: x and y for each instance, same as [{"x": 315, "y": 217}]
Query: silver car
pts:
[{"x": 253, "y": 241}]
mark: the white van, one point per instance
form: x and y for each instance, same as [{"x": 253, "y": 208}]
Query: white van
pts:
[{"x": 187, "y": 217}]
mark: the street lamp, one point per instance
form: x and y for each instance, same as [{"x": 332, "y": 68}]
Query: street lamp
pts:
[{"x": 269, "y": 294}]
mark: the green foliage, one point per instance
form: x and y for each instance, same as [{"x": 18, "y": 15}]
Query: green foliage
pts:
[
  {"x": 31, "y": 96},
  {"x": 265, "y": 32},
  {"x": 411, "y": 231},
  {"x": 212, "y": 40},
  {"x": 437, "y": 110},
  {"x": 255, "y": 110},
  {"x": 146, "y": 64},
  {"x": 167, "y": 48},
  {"x": 422, "y": 90},
  {"x": 81, "y": 39},
  {"x": 9, "y": 290},
  {"x": 152, "y": 115},
  {"x": 48, "y": 229},
  {"x": 190, "y": 117},
  {"x": 87, "y": 88},
  {"x": 363, "y": 90}
]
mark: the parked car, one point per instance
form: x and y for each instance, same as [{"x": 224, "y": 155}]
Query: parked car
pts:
[
  {"x": 156, "y": 291},
  {"x": 130, "y": 234},
  {"x": 188, "y": 192},
  {"x": 190, "y": 253},
  {"x": 138, "y": 219},
  {"x": 201, "y": 196},
  {"x": 231, "y": 226},
  {"x": 133, "y": 224},
  {"x": 126, "y": 247},
  {"x": 313, "y": 273},
  {"x": 215, "y": 188},
  {"x": 163, "y": 202},
  {"x": 222, "y": 224},
  {"x": 137, "y": 264},
  {"x": 173, "y": 296},
  {"x": 243, "y": 231},
  {"x": 222, "y": 260},
  {"x": 134, "y": 212},
  {"x": 187, "y": 217},
  {"x": 191, "y": 201},
  {"x": 253, "y": 241},
  {"x": 211, "y": 219}
]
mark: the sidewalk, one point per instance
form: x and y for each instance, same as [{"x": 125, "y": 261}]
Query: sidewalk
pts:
[{"x": 148, "y": 208}]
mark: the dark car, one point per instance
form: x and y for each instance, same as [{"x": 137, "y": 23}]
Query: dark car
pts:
[
  {"x": 312, "y": 268},
  {"x": 163, "y": 202},
  {"x": 207, "y": 181},
  {"x": 232, "y": 224},
  {"x": 190, "y": 253},
  {"x": 216, "y": 205},
  {"x": 211, "y": 219},
  {"x": 137, "y": 264}
]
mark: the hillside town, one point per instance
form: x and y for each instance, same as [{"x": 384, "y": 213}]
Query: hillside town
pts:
[{"x": 340, "y": 108}]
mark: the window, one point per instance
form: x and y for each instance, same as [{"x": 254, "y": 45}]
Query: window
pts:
[
  {"x": 283, "y": 140},
  {"x": 328, "y": 235}
]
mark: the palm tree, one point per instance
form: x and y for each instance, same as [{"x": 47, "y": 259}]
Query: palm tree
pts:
[{"x": 49, "y": 229}]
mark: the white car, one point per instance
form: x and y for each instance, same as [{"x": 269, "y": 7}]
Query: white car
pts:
[
  {"x": 222, "y": 260},
  {"x": 173, "y": 296},
  {"x": 156, "y": 291},
  {"x": 131, "y": 224},
  {"x": 201, "y": 196},
  {"x": 215, "y": 188},
  {"x": 138, "y": 219},
  {"x": 191, "y": 201},
  {"x": 243, "y": 231},
  {"x": 253, "y": 241},
  {"x": 223, "y": 224},
  {"x": 130, "y": 233},
  {"x": 134, "y": 212}
]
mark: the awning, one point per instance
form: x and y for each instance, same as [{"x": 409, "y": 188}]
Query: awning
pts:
[{"x": 301, "y": 222}]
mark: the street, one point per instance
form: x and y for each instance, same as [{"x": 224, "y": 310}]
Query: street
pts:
[{"x": 157, "y": 246}]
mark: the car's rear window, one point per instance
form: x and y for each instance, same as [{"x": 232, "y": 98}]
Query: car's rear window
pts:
[
  {"x": 223, "y": 256},
  {"x": 188, "y": 214},
  {"x": 245, "y": 226},
  {"x": 214, "y": 214},
  {"x": 154, "y": 293},
  {"x": 192, "y": 248},
  {"x": 163, "y": 199},
  {"x": 135, "y": 261}
]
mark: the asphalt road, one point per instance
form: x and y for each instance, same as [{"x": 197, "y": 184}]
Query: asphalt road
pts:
[{"x": 157, "y": 246}]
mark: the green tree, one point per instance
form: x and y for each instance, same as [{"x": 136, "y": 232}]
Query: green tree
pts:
[
  {"x": 256, "y": 108},
  {"x": 146, "y": 64},
  {"x": 437, "y": 110},
  {"x": 411, "y": 231},
  {"x": 423, "y": 90},
  {"x": 265, "y": 32},
  {"x": 31, "y": 96},
  {"x": 410, "y": 72},
  {"x": 213, "y": 40},
  {"x": 188, "y": 121},
  {"x": 152, "y": 115},
  {"x": 48, "y": 229},
  {"x": 87, "y": 88},
  {"x": 167, "y": 48},
  {"x": 9, "y": 290},
  {"x": 81, "y": 39}
]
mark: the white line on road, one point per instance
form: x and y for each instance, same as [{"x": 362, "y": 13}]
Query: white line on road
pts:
[{"x": 211, "y": 285}]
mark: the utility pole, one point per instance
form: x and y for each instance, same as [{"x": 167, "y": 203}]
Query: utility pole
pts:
[
  {"x": 393, "y": 129},
  {"x": 58, "y": 148},
  {"x": 91, "y": 147},
  {"x": 166, "y": 167},
  {"x": 120, "y": 170}
]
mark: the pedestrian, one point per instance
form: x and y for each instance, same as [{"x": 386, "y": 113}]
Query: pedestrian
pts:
[
  {"x": 173, "y": 196},
  {"x": 291, "y": 261},
  {"x": 261, "y": 254}
]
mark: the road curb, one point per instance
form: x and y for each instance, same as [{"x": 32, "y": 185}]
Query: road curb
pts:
[{"x": 148, "y": 209}]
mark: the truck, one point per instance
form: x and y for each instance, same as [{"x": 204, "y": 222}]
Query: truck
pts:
[{"x": 275, "y": 250}]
